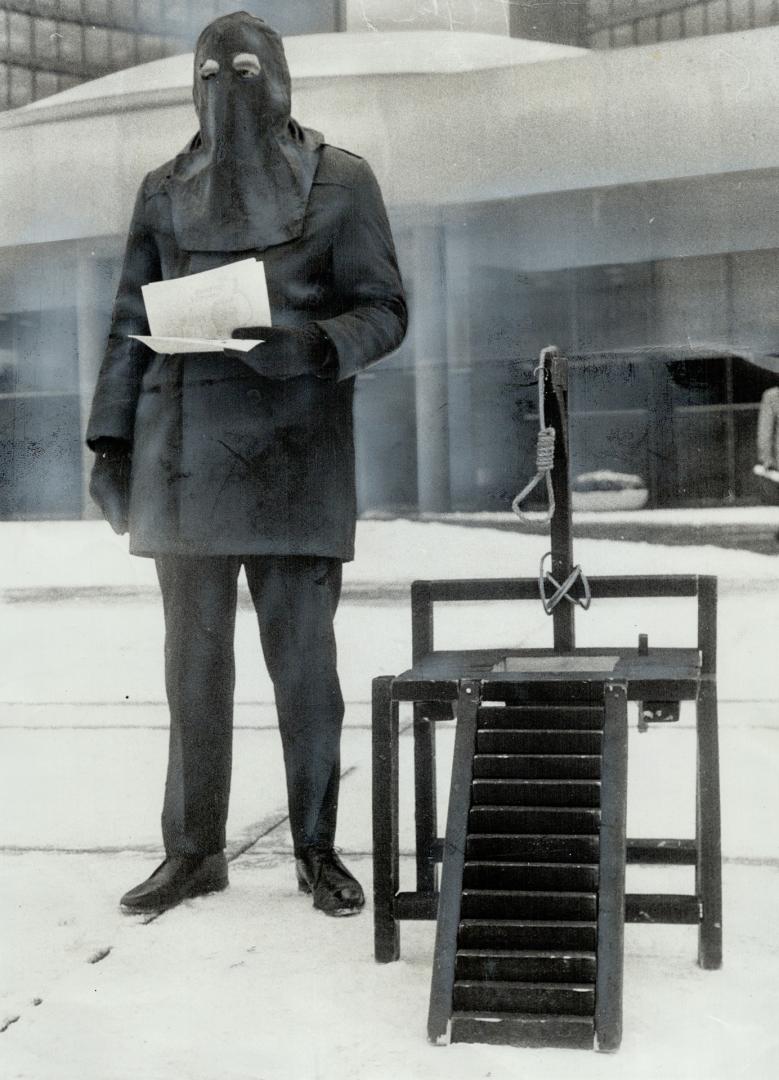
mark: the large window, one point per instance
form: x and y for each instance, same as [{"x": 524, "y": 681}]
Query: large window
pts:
[
  {"x": 40, "y": 456},
  {"x": 47, "y": 328}
]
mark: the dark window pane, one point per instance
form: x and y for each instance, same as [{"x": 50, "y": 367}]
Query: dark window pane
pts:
[
  {"x": 671, "y": 26},
  {"x": 39, "y": 351},
  {"x": 19, "y": 33},
  {"x": 740, "y": 15},
  {"x": 150, "y": 47},
  {"x": 96, "y": 10},
  {"x": 40, "y": 457},
  {"x": 149, "y": 14},
  {"x": 765, "y": 12},
  {"x": 172, "y": 46},
  {"x": 21, "y": 86},
  {"x": 46, "y": 40},
  {"x": 96, "y": 46},
  {"x": 69, "y": 9},
  {"x": 177, "y": 14},
  {"x": 70, "y": 42},
  {"x": 122, "y": 48},
  {"x": 695, "y": 21},
  {"x": 122, "y": 14},
  {"x": 623, "y": 35},
  {"x": 46, "y": 84},
  {"x": 701, "y": 474},
  {"x": 718, "y": 17},
  {"x": 598, "y": 9},
  {"x": 646, "y": 31}
]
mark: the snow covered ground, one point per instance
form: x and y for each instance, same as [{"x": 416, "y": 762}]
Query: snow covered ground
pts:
[{"x": 252, "y": 983}]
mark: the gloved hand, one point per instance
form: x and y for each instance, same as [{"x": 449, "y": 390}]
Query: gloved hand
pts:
[
  {"x": 286, "y": 352},
  {"x": 109, "y": 484}
]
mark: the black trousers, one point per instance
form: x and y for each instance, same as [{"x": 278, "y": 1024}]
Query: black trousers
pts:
[{"x": 295, "y": 598}]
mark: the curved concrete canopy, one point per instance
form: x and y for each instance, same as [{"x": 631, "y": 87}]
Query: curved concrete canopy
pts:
[
  {"x": 442, "y": 118},
  {"x": 317, "y": 56}
]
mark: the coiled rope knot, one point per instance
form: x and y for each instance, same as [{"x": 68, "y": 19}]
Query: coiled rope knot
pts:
[
  {"x": 544, "y": 459},
  {"x": 545, "y": 450}
]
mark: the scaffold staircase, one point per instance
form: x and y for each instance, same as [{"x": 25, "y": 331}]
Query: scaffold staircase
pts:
[{"x": 526, "y": 940}]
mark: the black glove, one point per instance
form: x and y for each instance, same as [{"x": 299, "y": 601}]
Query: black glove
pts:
[
  {"x": 109, "y": 484},
  {"x": 286, "y": 352}
]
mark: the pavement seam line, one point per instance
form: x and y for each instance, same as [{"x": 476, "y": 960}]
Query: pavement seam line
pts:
[{"x": 266, "y": 826}]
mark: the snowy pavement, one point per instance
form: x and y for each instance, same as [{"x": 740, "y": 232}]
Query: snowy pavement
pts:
[{"x": 252, "y": 983}]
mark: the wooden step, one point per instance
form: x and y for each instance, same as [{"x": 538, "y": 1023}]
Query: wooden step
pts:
[
  {"x": 534, "y": 965},
  {"x": 527, "y": 934},
  {"x": 571, "y": 999},
  {"x": 554, "y": 876},
  {"x": 537, "y": 766},
  {"x": 528, "y": 904},
  {"x": 538, "y": 741},
  {"x": 512, "y": 1029},
  {"x": 490, "y": 792},
  {"x": 533, "y": 819},
  {"x": 540, "y": 716},
  {"x": 524, "y": 848}
]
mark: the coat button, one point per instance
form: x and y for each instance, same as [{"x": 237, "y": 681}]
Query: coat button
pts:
[{"x": 253, "y": 395}]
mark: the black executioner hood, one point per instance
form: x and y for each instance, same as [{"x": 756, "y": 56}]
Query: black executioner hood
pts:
[{"x": 245, "y": 179}]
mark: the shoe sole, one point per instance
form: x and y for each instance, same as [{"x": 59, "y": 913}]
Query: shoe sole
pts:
[{"x": 194, "y": 890}]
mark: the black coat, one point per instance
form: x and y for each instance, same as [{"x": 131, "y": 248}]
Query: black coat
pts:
[{"x": 225, "y": 461}]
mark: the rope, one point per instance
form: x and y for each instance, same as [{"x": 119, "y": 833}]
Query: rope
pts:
[
  {"x": 544, "y": 460},
  {"x": 545, "y": 441},
  {"x": 562, "y": 592}
]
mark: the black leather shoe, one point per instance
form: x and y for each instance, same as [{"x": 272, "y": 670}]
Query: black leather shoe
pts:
[
  {"x": 322, "y": 874},
  {"x": 176, "y": 879}
]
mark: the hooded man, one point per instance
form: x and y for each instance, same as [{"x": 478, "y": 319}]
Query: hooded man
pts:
[{"x": 218, "y": 461}]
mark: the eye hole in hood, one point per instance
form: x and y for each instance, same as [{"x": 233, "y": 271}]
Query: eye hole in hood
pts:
[{"x": 247, "y": 65}]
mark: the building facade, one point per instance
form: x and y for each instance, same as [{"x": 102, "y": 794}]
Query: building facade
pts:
[
  {"x": 567, "y": 199},
  {"x": 51, "y": 45},
  {"x": 612, "y": 24}
]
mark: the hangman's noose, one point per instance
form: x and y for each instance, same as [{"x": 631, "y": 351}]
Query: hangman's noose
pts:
[
  {"x": 544, "y": 458},
  {"x": 545, "y": 442}
]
